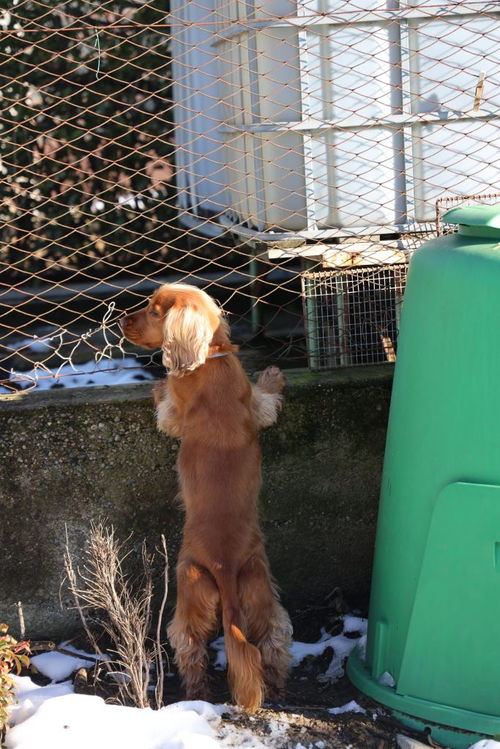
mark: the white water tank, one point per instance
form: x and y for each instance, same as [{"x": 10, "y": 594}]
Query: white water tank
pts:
[
  {"x": 339, "y": 116},
  {"x": 199, "y": 148}
]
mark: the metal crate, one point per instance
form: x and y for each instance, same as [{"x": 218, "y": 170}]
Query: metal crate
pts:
[{"x": 352, "y": 314}]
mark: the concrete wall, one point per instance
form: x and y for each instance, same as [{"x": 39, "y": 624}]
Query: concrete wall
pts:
[{"x": 72, "y": 456}]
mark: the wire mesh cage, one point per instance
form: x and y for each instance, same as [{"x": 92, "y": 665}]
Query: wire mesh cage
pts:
[
  {"x": 233, "y": 145},
  {"x": 352, "y": 314}
]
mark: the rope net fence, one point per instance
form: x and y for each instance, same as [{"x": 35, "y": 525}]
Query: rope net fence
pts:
[{"x": 287, "y": 157}]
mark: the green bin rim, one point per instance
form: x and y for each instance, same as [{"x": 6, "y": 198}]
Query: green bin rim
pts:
[{"x": 487, "y": 216}]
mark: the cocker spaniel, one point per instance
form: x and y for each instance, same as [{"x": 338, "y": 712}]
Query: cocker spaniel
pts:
[{"x": 208, "y": 402}]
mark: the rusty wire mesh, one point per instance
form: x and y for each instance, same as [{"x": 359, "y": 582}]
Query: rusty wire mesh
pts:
[
  {"x": 234, "y": 144},
  {"x": 455, "y": 201}
]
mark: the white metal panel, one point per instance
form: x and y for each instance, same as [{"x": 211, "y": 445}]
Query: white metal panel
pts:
[
  {"x": 360, "y": 162},
  {"x": 278, "y": 70},
  {"x": 459, "y": 154},
  {"x": 449, "y": 56},
  {"x": 361, "y": 178},
  {"x": 453, "y": 159},
  {"x": 284, "y": 181},
  {"x": 200, "y": 158},
  {"x": 355, "y": 63}
]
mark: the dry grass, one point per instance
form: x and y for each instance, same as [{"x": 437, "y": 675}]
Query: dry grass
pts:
[{"x": 123, "y": 608}]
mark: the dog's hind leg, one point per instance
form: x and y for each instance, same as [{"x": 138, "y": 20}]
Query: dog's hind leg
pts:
[
  {"x": 267, "y": 624},
  {"x": 195, "y": 620}
]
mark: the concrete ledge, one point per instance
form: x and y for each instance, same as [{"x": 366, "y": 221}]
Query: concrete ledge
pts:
[{"x": 71, "y": 456}]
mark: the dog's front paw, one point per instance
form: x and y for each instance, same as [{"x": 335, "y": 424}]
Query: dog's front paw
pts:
[{"x": 272, "y": 380}]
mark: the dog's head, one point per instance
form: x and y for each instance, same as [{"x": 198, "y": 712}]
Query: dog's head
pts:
[{"x": 181, "y": 320}]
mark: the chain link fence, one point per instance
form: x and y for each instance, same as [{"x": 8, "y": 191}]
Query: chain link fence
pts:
[{"x": 261, "y": 151}]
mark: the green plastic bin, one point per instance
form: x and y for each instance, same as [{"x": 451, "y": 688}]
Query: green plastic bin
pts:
[{"x": 433, "y": 647}]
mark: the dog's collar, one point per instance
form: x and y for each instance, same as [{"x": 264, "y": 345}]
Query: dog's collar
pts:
[{"x": 215, "y": 355}]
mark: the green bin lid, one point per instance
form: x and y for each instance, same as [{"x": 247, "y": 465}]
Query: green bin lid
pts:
[{"x": 481, "y": 220}]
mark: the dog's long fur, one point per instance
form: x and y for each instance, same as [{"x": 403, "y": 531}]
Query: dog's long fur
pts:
[{"x": 208, "y": 402}]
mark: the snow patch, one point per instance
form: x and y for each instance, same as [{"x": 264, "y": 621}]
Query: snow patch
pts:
[
  {"x": 35, "y": 344},
  {"x": 85, "y": 374},
  {"x": 58, "y": 666},
  {"x": 386, "y": 680},
  {"x": 349, "y": 707},
  {"x": 30, "y": 696},
  {"x": 66, "y": 645},
  {"x": 243, "y": 738},
  {"x": 54, "y": 717},
  {"x": 341, "y": 645},
  {"x": 220, "y": 662}
]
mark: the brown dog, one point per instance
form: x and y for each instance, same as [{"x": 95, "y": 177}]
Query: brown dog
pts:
[{"x": 208, "y": 402}]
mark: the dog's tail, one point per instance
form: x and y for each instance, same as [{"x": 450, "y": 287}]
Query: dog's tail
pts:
[{"x": 245, "y": 673}]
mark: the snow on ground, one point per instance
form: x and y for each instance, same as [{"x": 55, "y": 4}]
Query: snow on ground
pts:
[
  {"x": 220, "y": 662},
  {"x": 386, "y": 680},
  {"x": 54, "y": 717},
  {"x": 104, "y": 372},
  {"x": 349, "y": 707},
  {"x": 35, "y": 344},
  {"x": 30, "y": 697},
  {"x": 229, "y": 736},
  {"x": 341, "y": 644},
  {"x": 68, "y": 647},
  {"x": 58, "y": 666}
]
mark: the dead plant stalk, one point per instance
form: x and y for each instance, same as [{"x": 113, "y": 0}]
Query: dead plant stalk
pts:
[{"x": 124, "y": 610}]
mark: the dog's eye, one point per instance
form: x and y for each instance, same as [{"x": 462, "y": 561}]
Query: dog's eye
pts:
[{"x": 154, "y": 313}]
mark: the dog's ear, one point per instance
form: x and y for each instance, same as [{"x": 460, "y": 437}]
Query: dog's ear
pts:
[{"x": 187, "y": 334}]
